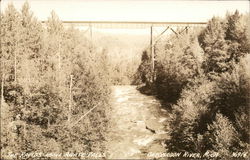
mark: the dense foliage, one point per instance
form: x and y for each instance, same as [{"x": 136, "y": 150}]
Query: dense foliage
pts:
[
  {"x": 122, "y": 69},
  {"x": 204, "y": 76},
  {"x": 51, "y": 77},
  {"x": 123, "y": 54}
]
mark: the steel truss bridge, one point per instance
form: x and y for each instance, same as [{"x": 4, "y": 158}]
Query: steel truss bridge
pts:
[{"x": 182, "y": 28}]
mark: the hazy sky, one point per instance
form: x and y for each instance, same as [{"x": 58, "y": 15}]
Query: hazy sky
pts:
[
  {"x": 128, "y": 10},
  {"x": 131, "y": 10}
]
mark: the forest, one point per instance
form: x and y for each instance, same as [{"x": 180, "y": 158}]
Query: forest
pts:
[
  {"x": 203, "y": 79},
  {"x": 52, "y": 76}
]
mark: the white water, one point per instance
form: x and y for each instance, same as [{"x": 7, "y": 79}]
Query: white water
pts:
[{"x": 131, "y": 112}]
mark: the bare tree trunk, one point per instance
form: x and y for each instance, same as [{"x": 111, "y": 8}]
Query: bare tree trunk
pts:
[
  {"x": 70, "y": 98},
  {"x": 59, "y": 67},
  {"x": 59, "y": 57},
  {"x": 15, "y": 57},
  {"x": 2, "y": 85},
  {"x": 15, "y": 61},
  {"x": 152, "y": 52},
  {"x": 91, "y": 39}
]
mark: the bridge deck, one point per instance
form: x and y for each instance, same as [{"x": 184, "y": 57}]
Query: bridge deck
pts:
[{"x": 131, "y": 24}]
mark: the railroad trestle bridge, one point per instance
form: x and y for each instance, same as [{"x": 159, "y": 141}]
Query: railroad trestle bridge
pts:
[{"x": 176, "y": 27}]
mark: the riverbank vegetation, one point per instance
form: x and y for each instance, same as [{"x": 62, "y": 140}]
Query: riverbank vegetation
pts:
[
  {"x": 123, "y": 54},
  {"x": 203, "y": 77},
  {"x": 50, "y": 77}
]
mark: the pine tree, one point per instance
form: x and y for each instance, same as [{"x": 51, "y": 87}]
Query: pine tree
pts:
[
  {"x": 236, "y": 37},
  {"x": 54, "y": 25},
  {"x": 10, "y": 38},
  {"x": 32, "y": 32},
  {"x": 29, "y": 47},
  {"x": 55, "y": 32},
  {"x": 215, "y": 47}
]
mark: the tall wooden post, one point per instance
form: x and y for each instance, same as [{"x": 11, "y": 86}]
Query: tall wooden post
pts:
[{"x": 152, "y": 51}]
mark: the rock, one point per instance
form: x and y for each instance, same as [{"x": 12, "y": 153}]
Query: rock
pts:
[{"x": 151, "y": 130}]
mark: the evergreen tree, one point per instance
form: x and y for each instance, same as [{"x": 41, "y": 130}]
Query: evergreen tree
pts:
[
  {"x": 54, "y": 25},
  {"x": 215, "y": 47},
  {"x": 54, "y": 46},
  {"x": 41, "y": 62},
  {"x": 29, "y": 47},
  {"x": 10, "y": 38},
  {"x": 236, "y": 37}
]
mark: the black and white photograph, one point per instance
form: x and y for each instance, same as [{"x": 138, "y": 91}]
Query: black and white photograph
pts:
[{"x": 124, "y": 79}]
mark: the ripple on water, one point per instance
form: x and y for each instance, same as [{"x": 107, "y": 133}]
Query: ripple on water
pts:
[
  {"x": 131, "y": 113},
  {"x": 122, "y": 99},
  {"x": 144, "y": 141}
]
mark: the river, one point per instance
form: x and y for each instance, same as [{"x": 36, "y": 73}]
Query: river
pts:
[{"x": 138, "y": 125}]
